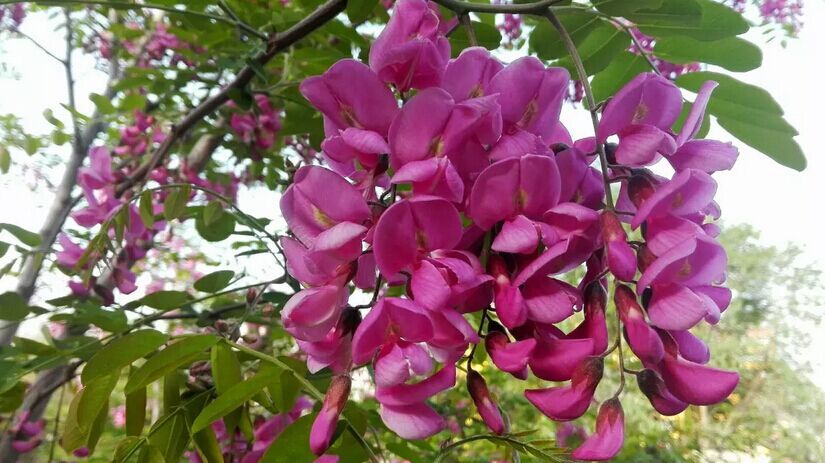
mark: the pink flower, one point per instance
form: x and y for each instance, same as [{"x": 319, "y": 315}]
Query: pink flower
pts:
[
  {"x": 607, "y": 441},
  {"x": 369, "y": 105},
  {"x": 569, "y": 402},
  {"x": 488, "y": 410},
  {"x": 323, "y": 427},
  {"x": 411, "y": 52}
]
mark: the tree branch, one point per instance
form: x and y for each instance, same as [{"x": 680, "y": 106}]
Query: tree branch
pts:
[
  {"x": 277, "y": 43},
  {"x": 461, "y": 7}
]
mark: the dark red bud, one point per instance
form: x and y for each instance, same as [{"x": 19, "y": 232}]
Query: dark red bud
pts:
[
  {"x": 488, "y": 410},
  {"x": 251, "y": 295},
  {"x": 610, "y": 152},
  {"x": 644, "y": 257},
  {"x": 558, "y": 147},
  {"x": 589, "y": 371},
  {"x": 337, "y": 393},
  {"x": 612, "y": 229},
  {"x": 639, "y": 188},
  {"x": 595, "y": 297},
  {"x": 350, "y": 319},
  {"x": 626, "y": 302}
]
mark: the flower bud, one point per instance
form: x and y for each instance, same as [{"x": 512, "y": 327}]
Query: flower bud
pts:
[
  {"x": 251, "y": 295},
  {"x": 488, "y": 410},
  {"x": 639, "y": 188},
  {"x": 323, "y": 428},
  {"x": 608, "y": 439},
  {"x": 653, "y": 387},
  {"x": 642, "y": 338},
  {"x": 620, "y": 257}
]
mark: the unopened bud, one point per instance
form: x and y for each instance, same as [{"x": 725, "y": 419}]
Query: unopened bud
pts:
[
  {"x": 639, "y": 188},
  {"x": 323, "y": 428},
  {"x": 610, "y": 152},
  {"x": 251, "y": 295},
  {"x": 488, "y": 410},
  {"x": 350, "y": 319}
]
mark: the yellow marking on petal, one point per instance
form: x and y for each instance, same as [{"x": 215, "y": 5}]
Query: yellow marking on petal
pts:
[
  {"x": 421, "y": 239},
  {"x": 349, "y": 117},
  {"x": 686, "y": 269},
  {"x": 678, "y": 199},
  {"x": 476, "y": 92},
  {"x": 640, "y": 113},
  {"x": 437, "y": 147},
  {"x": 521, "y": 198},
  {"x": 529, "y": 113},
  {"x": 321, "y": 218}
]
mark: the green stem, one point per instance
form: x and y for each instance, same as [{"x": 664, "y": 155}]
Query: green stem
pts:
[
  {"x": 308, "y": 387},
  {"x": 148, "y": 6},
  {"x": 588, "y": 93}
]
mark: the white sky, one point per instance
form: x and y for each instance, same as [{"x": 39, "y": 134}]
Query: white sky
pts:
[{"x": 786, "y": 206}]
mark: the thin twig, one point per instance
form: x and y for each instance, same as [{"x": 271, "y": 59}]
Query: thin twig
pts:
[
  {"x": 276, "y": 44},
  {"x": 588, "y": 93},
  {"x": 461, "y": 7},
  {"x": 38, "y": 45}
]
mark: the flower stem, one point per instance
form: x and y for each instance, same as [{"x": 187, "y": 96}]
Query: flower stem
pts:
[{"x": 588, "y": 93}]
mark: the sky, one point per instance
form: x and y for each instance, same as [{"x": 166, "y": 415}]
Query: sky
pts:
[{"x": 784, "y": 205}]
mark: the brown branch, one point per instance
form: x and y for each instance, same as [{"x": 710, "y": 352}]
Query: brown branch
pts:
[
  {"x": 277, "y": 43},
  {"x": 461, "y": 7}
]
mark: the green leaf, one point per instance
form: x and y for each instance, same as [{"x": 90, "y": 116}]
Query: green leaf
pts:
[
  {"x": 13, "y": 398},
  {"x": 5, "y": 160},
  {"x": 750, "y": 114},
  {"x": 26, "y": 237},
  {"x": 135, "y": 412},
  {"x": 488, "y": 36},
  {"x": 598, "y": 49},
  {"x": 82, "y": 429},
  {"x": 704, "y": 20},
  {"x": 215, "y": 281},
  {"x": 220, "y": 228},
  {"x": 285, "y": 391},
  {"x": 170, "y": 435},
  {"x": 624, "y": 67},
  {"x": 169, "y": 359},
  {"x": 624, "y": 7},
  {"x": 165, "y": 300},
  {"x": 126, "y": 448},
  {"x": 359, "y": 11},
  {"x": 226, "y": 371},
  {"x": 233, "y": 398},
  {"x": 146, "y": 209},
  {"x": 175, "y": 203},
  {"x": 547, "y": 43},
  {"x": 10, "y": 373},
  {"x": 212, "y": 212},
  {"x": 133, "y": 101},
  {"x": 205, "y": 440},
  {"x": 13, "y": 307},
  {"x": 102, "y": 103},
  {"x": 731, "y": 53},
  {"x": 95, "y": 397},
  {"x": 122, "y": 352},
  {"x": 292, "y": 446}
]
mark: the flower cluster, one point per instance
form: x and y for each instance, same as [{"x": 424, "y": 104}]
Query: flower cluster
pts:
[
  {"x": 15, "y": 13},
  {"x": 98, "y": 182},
  {"x": 462, "y": 200},
  {"x": 257, "y": 127},
  {"x": 786, "y": 13},
  {"x": 510, "y": 25},
  {"x": 666, "y": 68},
  {"x": 236, "y": 447}
]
